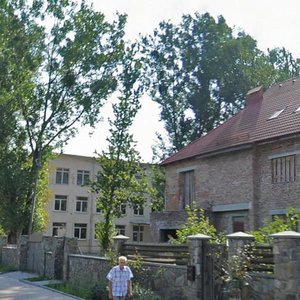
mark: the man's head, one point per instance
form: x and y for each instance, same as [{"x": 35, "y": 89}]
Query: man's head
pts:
[{"x": 122, "y": 262}]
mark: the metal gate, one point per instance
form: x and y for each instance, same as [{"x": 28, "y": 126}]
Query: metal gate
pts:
[{"x": 215, "y": 259}]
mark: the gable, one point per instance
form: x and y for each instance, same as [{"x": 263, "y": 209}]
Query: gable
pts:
[{"x": 267, "y": 115}]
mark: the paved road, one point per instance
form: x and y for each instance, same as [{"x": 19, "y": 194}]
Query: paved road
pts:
[{"x": 13, "y": 288}]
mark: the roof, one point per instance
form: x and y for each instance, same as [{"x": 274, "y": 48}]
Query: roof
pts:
[{"x": 252, "y": 124}]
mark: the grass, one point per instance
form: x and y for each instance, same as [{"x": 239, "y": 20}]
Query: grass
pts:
[
  {"x": 77, "y": 290},
  {"x": 6, "y": 269},
  {"x": 38, "y": 278}
]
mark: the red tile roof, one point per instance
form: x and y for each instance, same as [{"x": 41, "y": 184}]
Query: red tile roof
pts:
[{"x": 253, "y": 123}]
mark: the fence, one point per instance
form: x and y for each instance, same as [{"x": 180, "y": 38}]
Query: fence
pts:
[
  {"x": 157, "y": 253},
  {"x": 57, "y": 258}
]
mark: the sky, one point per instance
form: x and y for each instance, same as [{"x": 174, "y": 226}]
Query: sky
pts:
[{"x": 272, "y": 23}]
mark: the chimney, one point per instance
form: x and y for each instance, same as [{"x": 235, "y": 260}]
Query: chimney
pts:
[{"x": 255, "y": 95}]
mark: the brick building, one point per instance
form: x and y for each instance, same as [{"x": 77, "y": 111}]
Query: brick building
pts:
[{"x": 244, "y": 171}]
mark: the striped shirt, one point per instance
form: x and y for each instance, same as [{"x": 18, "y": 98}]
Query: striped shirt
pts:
[{"x": 119, "y": 279}]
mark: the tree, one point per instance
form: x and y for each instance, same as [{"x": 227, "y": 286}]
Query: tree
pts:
[
  {"x": 14, "y": 157},
  {"x": 74, "y": 56},
  {"x": 199, "y": 73},
  {"x": 121, "y": 179}
]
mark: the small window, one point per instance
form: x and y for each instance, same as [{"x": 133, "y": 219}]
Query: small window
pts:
[
  {"x": 83, "y": 177},
  {"x": 120, "y": 229},
  {"x": 80, "y": 231},
  {"x": 276, "y": 114},
  {"x": 62, "y": 176},
  {"x": 284, "y": 169},
  {"x": 138, "y": 233},
  {"x": 298, "y": 109},
  {"x": 81, "y": 204},
  {"x": 60, "y": 202},
  {"x": 122, "y": 209},
  {"x": 138, "y": 210},
  {"x": 238, "y": 223},
  {"x": 58, "y": 229},
  {"x": 187, "y": 188}
]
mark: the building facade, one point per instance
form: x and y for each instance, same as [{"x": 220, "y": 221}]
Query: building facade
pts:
[
  {"x": 242, "y": 173},
  {"x": 72, "y": 208}
]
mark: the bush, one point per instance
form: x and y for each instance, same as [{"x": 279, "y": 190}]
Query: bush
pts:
[
  {"x": 98, "y": 291},
  {"x": 141, "y": 293}
]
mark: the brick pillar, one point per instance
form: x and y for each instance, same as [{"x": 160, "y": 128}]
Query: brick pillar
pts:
[
  {"x": 3, "y": 243},
  {"x": 23, "y": 252},
  {"x": 237, "y": 243},
  {"x": 119, "y": 240},
  {"x": 195, "y": 268},
  {"x": 286, "y": 250}
]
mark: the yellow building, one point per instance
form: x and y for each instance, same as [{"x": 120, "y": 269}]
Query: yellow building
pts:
[{"x": 72, "y": 209}]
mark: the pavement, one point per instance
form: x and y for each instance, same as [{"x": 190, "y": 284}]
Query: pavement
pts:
[{"x": 13, "y": 286}]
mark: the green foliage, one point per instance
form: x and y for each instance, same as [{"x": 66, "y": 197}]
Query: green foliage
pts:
[
  {"x": 121, "y": 179},
  {"x": 59, "y": 63},
  {"x": 98, "y": 291},
  {"x": 289, "y": 221},
  {"x": 196, "y": 223},
  {"x": 199, "y": 72},
  {"x": 77, "y": 289},
  {"x": 142, "y": 293},
  {"x": 158, "y": 179},
  {"x": 7, "y": 268}
]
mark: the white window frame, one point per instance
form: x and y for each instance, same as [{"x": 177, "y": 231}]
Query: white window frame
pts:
[
  {"x": 81, "y": 204},
  {"x": 80, "y": 231},
  {"x": 138, "y": 210},
  {"x": 62, "y": 176},
  {"x": 83, "y": 177},
  {"x": 57, "y": 226},
  {"x": 62, "y": 201},
  {"x": 121, "y": 229},
  {"x": 138, "y": 233}
]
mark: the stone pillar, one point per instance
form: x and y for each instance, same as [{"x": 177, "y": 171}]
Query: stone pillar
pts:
[
  {"x": 22, "y": 247},
  {"x": 195, "y": 267},
  {"x": 3, "y": 243},
  {"x": 70, "y": 247},
  {"x": 237, "y": 245},
  {"x": 286, "y": 250},
  {"x": 119, "y": 240},
  {"x": 237, "y": 242}
]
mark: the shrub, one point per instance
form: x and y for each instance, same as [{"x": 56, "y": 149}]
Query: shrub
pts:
[
  {"x": 98, "y": 291},
  {"x": 289, "y": 221},
  {"x": 141, "y": 293}
]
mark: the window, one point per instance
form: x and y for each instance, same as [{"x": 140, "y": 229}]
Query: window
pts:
[
  {"x": 138, "y": 233},
  {"x": 60, "y": 202},
  {"x": 62, "y": 176},
  {"x": 120, "y": 229},
  {"x": 138, "y": 210},
  {"x": 276, "y": 114},
  {"x": 187, "y": 187},
  {"x": 122, "y": 209},
  {"x": 81, "y": 204},
  {"x": 238, "y": 223},
  {"x": 83, "y": 177},
  {"x": 58, "y": 229},
  {"x": 80, "y": 231},
  {"x": 284, "y": 169},
  {"x": 98, "y": 210}
]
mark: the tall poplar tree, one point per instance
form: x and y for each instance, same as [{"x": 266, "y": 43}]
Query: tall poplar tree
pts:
[{"x": 121, "y": 179}]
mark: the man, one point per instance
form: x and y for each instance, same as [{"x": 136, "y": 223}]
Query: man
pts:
[{"x": 119, "y": 278}]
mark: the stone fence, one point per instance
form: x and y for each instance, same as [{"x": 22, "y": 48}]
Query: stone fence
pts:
[{"x": 57, "y": 257}]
